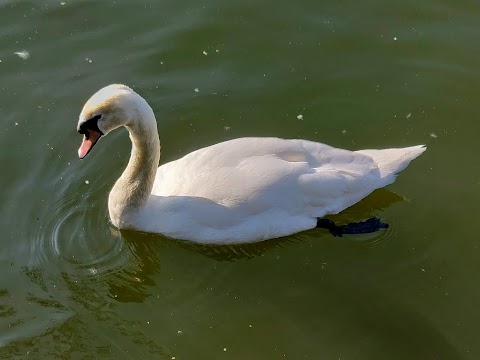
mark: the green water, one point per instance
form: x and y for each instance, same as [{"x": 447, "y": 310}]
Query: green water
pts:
[{"x": 362, "y": 74}]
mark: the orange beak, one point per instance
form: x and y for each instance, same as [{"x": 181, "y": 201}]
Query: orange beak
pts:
[{"x": 89, "y": 141}]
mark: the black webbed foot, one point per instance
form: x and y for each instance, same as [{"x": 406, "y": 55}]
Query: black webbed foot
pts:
[
  {"x": 362, "y": 227},
  {"x": 330, "y": 226}
]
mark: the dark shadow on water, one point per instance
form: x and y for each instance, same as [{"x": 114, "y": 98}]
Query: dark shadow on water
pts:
[
  {"x": 377, "y": 201},
  {"x": 131, "y": 284}
]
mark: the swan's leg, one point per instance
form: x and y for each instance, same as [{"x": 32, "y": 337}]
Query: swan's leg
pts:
[
  {"x": 330, "y": 226},
  {"x": 362, "y": 227}
]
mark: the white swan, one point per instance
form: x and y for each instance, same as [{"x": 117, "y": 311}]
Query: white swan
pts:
[{"x": 242, "y": 190}]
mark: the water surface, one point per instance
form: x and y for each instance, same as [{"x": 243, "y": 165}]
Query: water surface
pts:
[{"x": 362, "y": 75}]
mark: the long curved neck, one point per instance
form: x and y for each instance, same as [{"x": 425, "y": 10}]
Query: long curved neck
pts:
[{"x": 131, "y": 191}]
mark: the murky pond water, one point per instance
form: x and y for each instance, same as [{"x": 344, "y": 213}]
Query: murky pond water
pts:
[{"x": 362, "y": 75}]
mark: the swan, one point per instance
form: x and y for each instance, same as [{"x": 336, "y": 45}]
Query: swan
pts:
[{"x": 242, "y": 190}]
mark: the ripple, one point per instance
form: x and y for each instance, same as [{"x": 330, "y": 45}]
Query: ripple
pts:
[
  {"x": 378, "y": 238},
  {"x": 77, "y": 234}
]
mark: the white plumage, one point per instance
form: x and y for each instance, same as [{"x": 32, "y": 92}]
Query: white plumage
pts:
[{"x": 242, "y": 190}]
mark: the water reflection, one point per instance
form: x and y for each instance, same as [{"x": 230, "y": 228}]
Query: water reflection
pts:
[{"x": 131, "y": 283}]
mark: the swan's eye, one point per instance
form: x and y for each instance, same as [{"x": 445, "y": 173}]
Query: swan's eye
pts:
[{"x": 90, "y": 124}]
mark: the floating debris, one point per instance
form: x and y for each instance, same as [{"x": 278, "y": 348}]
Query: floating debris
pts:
[
  {"x": 344, "y": 131},
  {"x": 204, "y": 53},
  {"x": 217, "y": 51},
  {"x": 224, "y": 349},
  {"x": 197, "y": 90},
  {"x": 22, "y": 54},
  {"x": 408, "y": 115},
  {"x": 433, "y": 135},
  {"x": 87, "y": 182},
  {"x": 113, "y": 231},
  {"x": 93, "y": 271},
  {"x": 63, "y": 3},
  {"x": 89, "y": 60},
  {"x": 16, "y": 124},
  {"x": 179, "y": 332},
  {"x": 226, "y": 128},
  {"x": 300, "y": 117},
  {"x": 395, "y": 38}
]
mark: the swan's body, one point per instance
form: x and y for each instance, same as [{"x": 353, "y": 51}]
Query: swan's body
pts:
[{"x": 242, "y": 190}]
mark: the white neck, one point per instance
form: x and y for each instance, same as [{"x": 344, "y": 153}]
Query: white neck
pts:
[{"x": 131, "y": 191}]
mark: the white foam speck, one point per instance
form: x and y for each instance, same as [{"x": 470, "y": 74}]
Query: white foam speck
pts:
[
  {"x": 22, "y": 54},
  {"x": 300, "y": 117},
  {"x": 197, "y": 90}
]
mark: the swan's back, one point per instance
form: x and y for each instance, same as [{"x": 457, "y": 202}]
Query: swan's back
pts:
[{"x": 296, "y": 177}]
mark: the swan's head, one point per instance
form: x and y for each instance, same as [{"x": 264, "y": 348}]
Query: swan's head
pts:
[{"x": 108, "y": 109}]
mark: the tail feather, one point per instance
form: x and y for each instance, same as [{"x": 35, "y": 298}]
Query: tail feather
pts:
[{"x": 392, "y": 161}]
